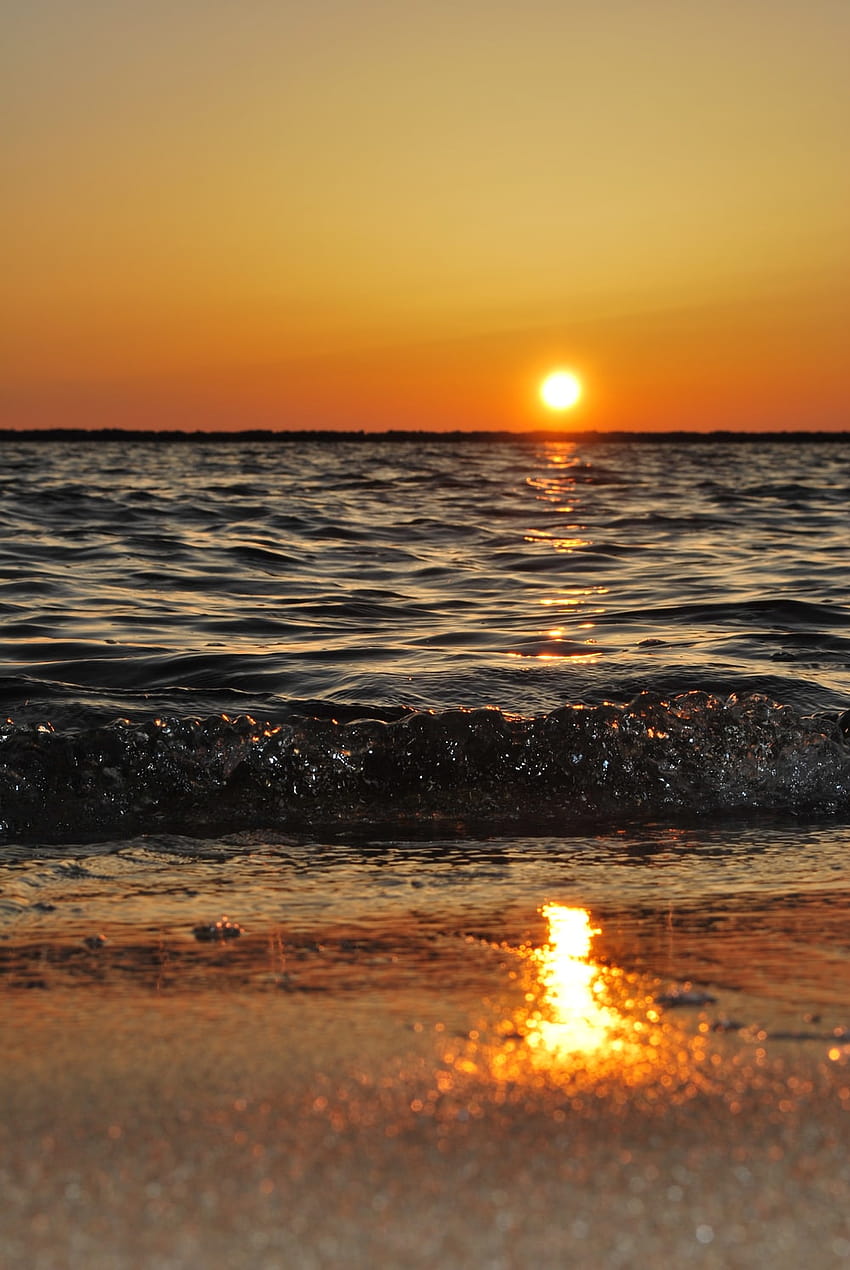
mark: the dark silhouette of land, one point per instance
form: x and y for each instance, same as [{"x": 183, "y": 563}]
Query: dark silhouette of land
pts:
[{"x": 404, "y": 436}]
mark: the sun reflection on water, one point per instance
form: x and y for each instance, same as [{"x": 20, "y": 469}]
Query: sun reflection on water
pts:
[{"x": 570, "y": 1017}]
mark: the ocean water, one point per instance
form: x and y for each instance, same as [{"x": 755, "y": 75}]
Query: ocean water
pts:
[{"x": 385, "y": 690}]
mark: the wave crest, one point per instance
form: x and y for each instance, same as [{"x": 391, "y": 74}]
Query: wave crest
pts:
[{"x": 693, "y": 754}]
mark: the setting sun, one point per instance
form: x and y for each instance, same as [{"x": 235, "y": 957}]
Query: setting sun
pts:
[{"x": 560, "y": 390}]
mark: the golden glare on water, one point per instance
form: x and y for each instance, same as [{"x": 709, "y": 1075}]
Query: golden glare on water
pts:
[
  {"x": 560, "y": 390},
  {"x": 572, "y": 1019},
  {"x": 575, "y": 1021}
]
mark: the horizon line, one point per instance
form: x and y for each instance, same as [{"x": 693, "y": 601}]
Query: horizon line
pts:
[{"x": 325, "y": 435}]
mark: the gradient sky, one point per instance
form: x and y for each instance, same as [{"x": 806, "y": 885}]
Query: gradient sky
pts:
[{"x": 372, "y": 215}]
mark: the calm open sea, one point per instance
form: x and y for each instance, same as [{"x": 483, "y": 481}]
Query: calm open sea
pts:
[{"x": 314, "y": 679}]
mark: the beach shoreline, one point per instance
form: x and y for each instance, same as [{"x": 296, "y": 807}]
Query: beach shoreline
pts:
[{"x": 364, "y": 1112}]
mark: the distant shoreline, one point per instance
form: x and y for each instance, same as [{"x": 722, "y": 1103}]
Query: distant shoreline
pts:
[{"x": 404, "y": 436}]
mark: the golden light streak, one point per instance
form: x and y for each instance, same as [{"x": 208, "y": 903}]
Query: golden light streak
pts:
[{"x": 571, "y": 1019}]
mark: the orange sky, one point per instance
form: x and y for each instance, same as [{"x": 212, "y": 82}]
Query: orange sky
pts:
[{"x": 380, "y": 216}]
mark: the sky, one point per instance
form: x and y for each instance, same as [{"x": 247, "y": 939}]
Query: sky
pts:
[{"x": 327, "y": 214}]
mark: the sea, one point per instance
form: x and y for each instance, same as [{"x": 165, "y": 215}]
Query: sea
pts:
[{"x": 361, "y": 693}]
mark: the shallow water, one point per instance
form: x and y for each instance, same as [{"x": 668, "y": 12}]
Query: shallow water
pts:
[{"x": 754, "y": 913}]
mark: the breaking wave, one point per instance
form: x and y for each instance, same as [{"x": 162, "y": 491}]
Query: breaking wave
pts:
[{"x": 693, "y": 754}]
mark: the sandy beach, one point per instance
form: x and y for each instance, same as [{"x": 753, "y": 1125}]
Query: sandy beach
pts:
[{"x": 449, "y": 1100}]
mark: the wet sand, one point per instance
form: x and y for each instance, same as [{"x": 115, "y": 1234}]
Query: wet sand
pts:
[{"x": 461, "y": 1101}]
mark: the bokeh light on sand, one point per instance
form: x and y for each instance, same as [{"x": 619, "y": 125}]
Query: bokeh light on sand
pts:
[{"x": 572, "y": 1021}]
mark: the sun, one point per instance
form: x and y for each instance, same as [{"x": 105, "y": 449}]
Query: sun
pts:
[{"x": 560, "y": 390}]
